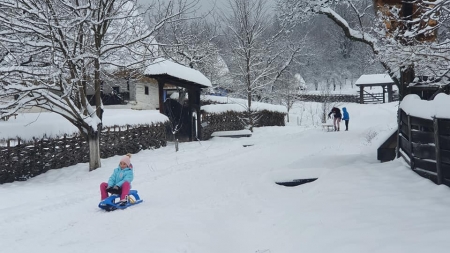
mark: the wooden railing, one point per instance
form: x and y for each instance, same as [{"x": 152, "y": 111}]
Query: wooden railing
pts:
[{"x": 425, "y": 145}]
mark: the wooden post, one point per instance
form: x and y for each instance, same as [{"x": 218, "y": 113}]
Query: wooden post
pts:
[
  {"x": 384, "y": 99},
  {"x": 399, "y": 126},
  {"x": 161, "y": 96},
  {"x": 411, "y": 158},
  {"x": 389, "y": 91},
  {"x": 361, "y": 94},
  {"x": 438, "y": 151}
]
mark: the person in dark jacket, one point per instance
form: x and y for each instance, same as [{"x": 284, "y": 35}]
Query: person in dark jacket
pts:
[
  {"x": 336, "y": 112},
  {"x": 345, "y": 117}
]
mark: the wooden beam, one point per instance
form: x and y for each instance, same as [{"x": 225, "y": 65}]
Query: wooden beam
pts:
[
  {"x": 161, "y": 96},
  {"x": 361, "y": 95},
  {"x": 410, "y": 143},
  {"x": 438, "y": 151},
  {"x": 389, "y": 91}
]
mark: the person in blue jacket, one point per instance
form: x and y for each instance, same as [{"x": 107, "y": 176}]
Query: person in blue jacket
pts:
[
  {"x": 120, "y": 181},
  {"x": 345, "y": 117}
]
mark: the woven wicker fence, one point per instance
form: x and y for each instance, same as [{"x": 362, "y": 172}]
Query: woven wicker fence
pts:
[
  {"x": 23, "y": 160},
  {"x": 231, "y": 120}
]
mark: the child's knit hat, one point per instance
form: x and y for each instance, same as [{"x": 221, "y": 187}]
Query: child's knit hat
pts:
[{"x": 126, "y": 159}]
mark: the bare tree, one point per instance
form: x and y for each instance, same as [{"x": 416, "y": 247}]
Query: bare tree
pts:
[
  {"x": 258, "y": 50},
  {"x": 289, "y": 87},
  {"x": 190, "y": 42},
  {"x": 403, "y": 43},
  {"x": 54, "y": 50}
]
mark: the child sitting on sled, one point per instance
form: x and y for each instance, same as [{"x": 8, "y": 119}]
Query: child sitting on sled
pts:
[{"x": 120, "y": 181}]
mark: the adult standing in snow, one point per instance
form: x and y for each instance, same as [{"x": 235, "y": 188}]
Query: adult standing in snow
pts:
[
  {"x": 336, "y": 117},
  {"x": 345, "y": 117},
  {"x": 120, "y": 181}
]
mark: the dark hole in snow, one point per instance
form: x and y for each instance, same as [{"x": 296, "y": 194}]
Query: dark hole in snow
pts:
[
  {"x": 247, "y": 145},
  {"x": 296, "y": 182}
]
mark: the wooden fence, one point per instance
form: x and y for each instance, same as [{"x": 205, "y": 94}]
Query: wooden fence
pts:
[
  {"x": 22, "y": 160},
  {"x": 329, "y": 98},
  {"x": 425, "y": 145},
  {"x": 373, "y": 98},
  {"x": 231, "y": 120}
]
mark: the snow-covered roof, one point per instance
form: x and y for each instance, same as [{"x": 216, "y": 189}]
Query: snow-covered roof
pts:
[
  {"x": 166, "y": 67},
  {"x": 374, "y": 79},
  {"x": 438, "y": 107}
]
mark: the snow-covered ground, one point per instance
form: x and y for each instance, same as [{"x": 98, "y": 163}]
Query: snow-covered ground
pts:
[{"x": 219, "y": 196}]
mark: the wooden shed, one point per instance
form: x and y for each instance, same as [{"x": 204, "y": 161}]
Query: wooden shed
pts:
[
  {"x": 376, "y": 80},
  {"x": 169, "y": 74}
]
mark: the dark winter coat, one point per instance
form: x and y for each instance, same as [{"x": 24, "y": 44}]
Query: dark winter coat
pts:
[
  {"x": 336, "y": 112},
  {"x": 345, "y": 114}
]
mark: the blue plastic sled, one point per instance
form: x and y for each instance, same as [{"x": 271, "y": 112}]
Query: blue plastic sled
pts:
[{"x": 110, "y": 203}]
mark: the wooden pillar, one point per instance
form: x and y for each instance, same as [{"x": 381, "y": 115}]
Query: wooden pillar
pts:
[
  {"x": 384, "y": 94},
  {"x": 199, "y": 122},
  {"x": 389, "y": 92},
  {"x": 361, "y": 94},
  {"x": 194, "y": 105},
  {"x": 191, "y": 105},
  {"x": 161, "y": 96},
  {"x": 438, "y": 151},
  {"x": 399, "y": 126},
  {"x": 411, "y": 157}
]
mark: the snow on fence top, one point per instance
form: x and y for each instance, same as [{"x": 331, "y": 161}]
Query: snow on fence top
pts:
[
  {"x": 29, "y": 125},
  {"x": 439, "y": 107},
  {"x": 162, "y": 66},
  {"x": 237, "y": 104},
  {"x": 374, "y": 79}
]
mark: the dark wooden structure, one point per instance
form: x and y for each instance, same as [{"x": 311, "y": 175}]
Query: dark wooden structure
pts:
[
  {"x": 193, "y": 91},
  {"x": 428, "y": 91},
  {"x": 386, "y": 152},
  {"x": 332, "y": 98},
  {"x": 425, "y": 145},
  {"x": 365, "y": 97}
]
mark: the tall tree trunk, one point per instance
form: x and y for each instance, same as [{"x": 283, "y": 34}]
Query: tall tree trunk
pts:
[
  {"x": 406, "y": 77},
  {"x": 94, "y": 149},
  {"x": 94, "y": 134}
]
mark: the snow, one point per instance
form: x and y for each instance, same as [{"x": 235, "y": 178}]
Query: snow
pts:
[
  {"x": 163, "y": 66},
  {"x": 219, "y": 196},
  {"x": 438, "y": 107},
  {"x": 29, "y": 125},
  {"x": 236, "y": 104},
  {"x": 374, "y": 79}
]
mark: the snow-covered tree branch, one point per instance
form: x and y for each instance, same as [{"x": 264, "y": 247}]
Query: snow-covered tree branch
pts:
[
  {"x": 404, "y": 42},
  {"x": 51, "y": 51},
  {"x": 259, "y": 50}
]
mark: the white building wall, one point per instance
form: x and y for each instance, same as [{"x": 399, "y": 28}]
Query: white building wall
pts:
[{"x": 148, "y": 101}]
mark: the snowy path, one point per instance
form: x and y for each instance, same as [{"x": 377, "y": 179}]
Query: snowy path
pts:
[{"x": 218, "y": 196}]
